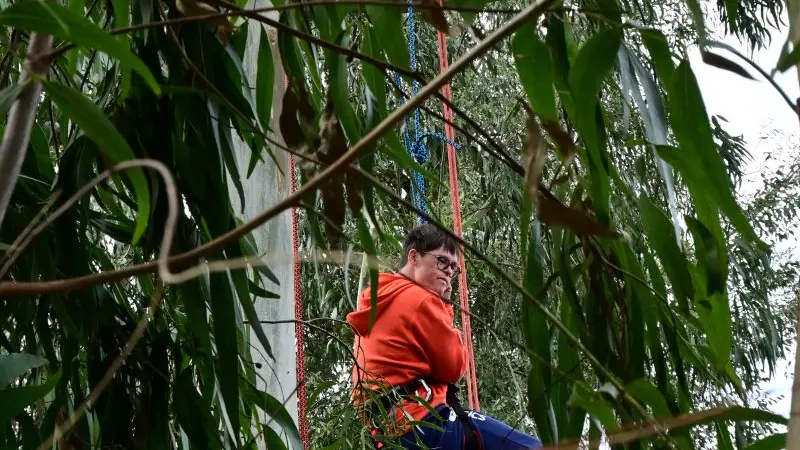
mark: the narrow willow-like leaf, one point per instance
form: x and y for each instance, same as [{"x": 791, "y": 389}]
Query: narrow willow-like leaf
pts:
[
  {"x": 702, "y": 165},
  {"x": 638, "y": 308},
  {"x": 15, "y": 365},
  {"x": 58, "y": 21},
  {"x": 98, "y": 128},
  {"x": 388, "y": 26},
  {"x": 654, "y": 117},
  {"x": 586, "y": 76},
  {"x": 14, "y": 400},
  {"x": 225, "y": 330},
  {"x": 597, "y": 407},
  {"x": 773, "y": 442},
  {"x": 265, "y": 79},
  {"x": 537, "y": 338},
  {"x": 243, "y": 292},
  {"x": 535, "y": 71},
  {"x": 657, "y": 45},
  {"x": 277, "y": 412},
  {"x": 657, "y": 228},
  {"x": 193, "y": 416},
  {"x": 369, "y": 244},
  {"x": 644, "y": 391},
  {"x": 372, "y": 75},
  {"x": 699, "y": 22},
  {"x": 340, "y": 93}
]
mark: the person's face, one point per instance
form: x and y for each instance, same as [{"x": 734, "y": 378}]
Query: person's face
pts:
[{"x": 435, "y": 269}]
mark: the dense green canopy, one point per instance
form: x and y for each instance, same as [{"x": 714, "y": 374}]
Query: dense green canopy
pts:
[{"x": 615, "y": 275}]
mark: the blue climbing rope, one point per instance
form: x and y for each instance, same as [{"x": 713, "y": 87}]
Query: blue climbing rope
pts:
[{"x": 416, "y": 145}]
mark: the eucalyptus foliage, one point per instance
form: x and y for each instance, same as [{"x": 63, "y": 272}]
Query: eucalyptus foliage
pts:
[{"x": 615, "y": 276}]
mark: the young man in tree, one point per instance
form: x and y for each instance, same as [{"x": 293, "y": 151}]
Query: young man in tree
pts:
[{"x": 413, "y": 351}]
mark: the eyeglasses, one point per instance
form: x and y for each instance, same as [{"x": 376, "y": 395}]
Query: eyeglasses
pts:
[{"x": 444, "y": 263}]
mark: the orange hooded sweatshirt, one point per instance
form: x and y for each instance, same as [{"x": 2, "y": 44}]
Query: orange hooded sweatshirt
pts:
[{"x": 412, "y": 337}]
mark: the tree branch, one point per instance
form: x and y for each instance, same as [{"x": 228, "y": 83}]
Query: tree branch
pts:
[{"x": 20, "y": 119}]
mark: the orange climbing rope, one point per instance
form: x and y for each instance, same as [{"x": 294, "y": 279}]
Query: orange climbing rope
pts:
[{"x": 449, "y": 132}]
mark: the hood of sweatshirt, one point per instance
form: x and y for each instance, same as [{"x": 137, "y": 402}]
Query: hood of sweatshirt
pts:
[{"x": 389, "y": 286}]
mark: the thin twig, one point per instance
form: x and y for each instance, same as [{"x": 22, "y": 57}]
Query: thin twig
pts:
[
  {"x": 530, "y": 12},
  {"x": 94, "y": 395},
  {"x": 20, "y": 119}
]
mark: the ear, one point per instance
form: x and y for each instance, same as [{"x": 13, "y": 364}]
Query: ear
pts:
[{"x": 411, "y": 257}]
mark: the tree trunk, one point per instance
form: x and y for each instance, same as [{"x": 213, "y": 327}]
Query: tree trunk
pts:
[{"x": 268, "y": 184}]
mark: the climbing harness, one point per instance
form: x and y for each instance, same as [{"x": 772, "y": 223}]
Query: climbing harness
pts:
[{"x": 388, "y": 401}]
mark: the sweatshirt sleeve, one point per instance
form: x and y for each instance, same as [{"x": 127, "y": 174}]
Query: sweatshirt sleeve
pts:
[{"x": 440, "y": 340}]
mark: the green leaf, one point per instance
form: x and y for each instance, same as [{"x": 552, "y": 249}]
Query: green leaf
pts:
[
  {"x": 596, "y": 406},
  {"x": 242, "y": 291},
  {"x": 469, "y": 16},
  {"x": 8, "y": 95},
  {"x": 644, "y": 391},
  {"x": 122, "y": 11},
  {"x": 94, "y": 123},
  {"x": 373, "y": 76},
  {"x": 340, "y": 92},
  {"x": 248, "y": 247},
  {"x": 701, "y": 162},
  {"x": 538, "y": 401},
  {"x": 537, "y": 338},
  {"x": 265, "y": 78},
  {"x": 58, "y": 21},
  {"x": 225, "y": 332},
  {"x": 274, "y": 440},
  {"x": 15, "y": 400},
  {"x": 261, "y": 292},
  {"x": 388, "y": 26},
  {"x": 773, "y": 442},
  {"x": 15, "y": 365},
  {"x": 788, "y": 59},
  {"x": 535, "y": 70},
  {"x": 369, "y": 245},
  {"x": 657, "y": 228},
  {"x": 699, "y": 22},
  {"x": 592, "y": 64},
  {"x": 275, "y": 410},
  {"x": 287, "y": 46},
  {"x": 657, "y": 45},
  {"x": 193, "y": 415}
]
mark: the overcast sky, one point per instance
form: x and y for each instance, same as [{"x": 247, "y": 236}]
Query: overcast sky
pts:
[{"x": 755, "y": 110}]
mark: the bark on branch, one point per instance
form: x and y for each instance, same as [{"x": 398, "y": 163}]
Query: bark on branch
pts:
[{"x": 21, "y": 117}]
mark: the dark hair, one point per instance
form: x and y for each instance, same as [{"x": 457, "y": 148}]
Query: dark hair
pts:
[{"x": 427, "y": 237}]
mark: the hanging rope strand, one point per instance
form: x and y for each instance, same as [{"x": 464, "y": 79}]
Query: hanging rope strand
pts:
[
  {"x": 449, "y": 131},
  {"x": 417, "y": 149}
]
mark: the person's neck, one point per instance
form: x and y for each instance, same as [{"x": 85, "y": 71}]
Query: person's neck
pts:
[{"x": 406, "y": 272}]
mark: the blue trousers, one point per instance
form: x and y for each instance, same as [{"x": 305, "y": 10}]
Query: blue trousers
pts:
[{"x": 495, "y": 435}]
